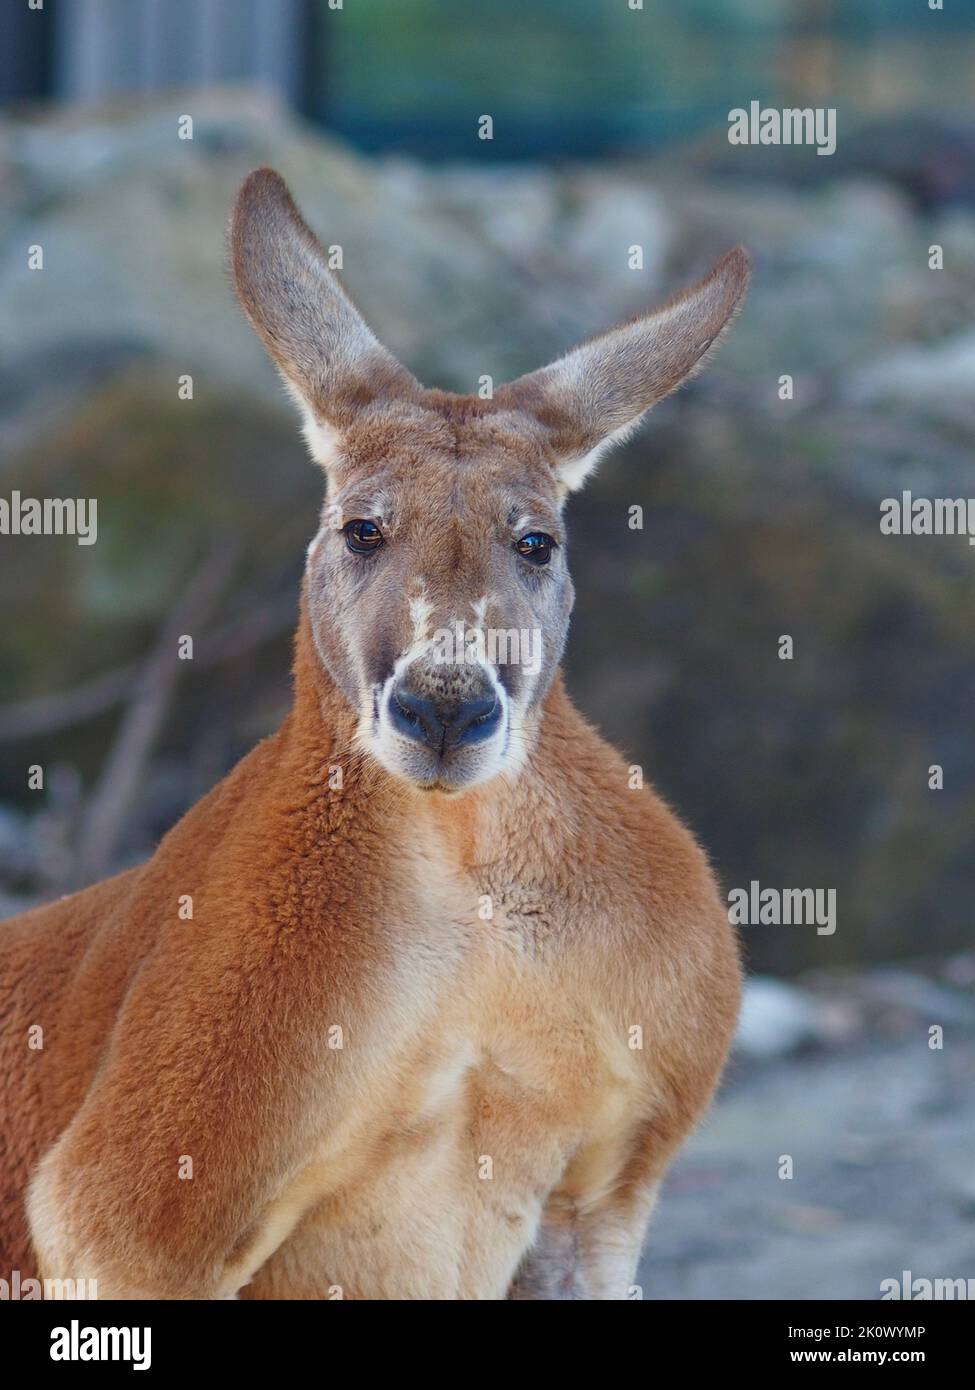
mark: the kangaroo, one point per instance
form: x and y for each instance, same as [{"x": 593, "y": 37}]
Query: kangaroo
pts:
[{"x": 453, "y": 992}]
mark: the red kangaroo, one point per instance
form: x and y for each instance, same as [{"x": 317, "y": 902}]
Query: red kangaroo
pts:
[{"x": 453, "y": 991}]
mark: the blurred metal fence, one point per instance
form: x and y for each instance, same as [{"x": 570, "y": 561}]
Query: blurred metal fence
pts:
[
  {"x": 580, "y": 77},
  {"x": 82, "y": 50}
]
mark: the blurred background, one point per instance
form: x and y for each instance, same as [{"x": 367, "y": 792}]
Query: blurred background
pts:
[{"x": 761, "y": 514}]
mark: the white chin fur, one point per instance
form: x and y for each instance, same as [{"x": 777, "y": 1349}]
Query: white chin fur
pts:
[{"x": 466, "y": 767}]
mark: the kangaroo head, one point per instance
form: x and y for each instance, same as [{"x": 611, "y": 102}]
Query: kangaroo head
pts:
[{"x": 438, "y": 586}]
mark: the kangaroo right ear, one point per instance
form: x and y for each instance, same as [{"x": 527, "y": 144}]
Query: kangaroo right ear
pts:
[
  {"x": 595, "y": 396},
  {"x": 330, "y": 360}
]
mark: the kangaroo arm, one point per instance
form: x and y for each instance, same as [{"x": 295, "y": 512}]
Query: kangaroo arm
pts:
[{"x": 175, "y": 1177}]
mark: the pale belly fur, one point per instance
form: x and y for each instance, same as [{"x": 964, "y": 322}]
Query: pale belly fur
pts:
[{"x": 437, "y": 1188}]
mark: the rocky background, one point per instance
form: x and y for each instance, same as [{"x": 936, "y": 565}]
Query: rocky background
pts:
[
  {"x": 761, "y": 518},
  {"x": 841, "y": 1076}
]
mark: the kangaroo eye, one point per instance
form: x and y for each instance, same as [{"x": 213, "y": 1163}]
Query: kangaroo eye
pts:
[
  {"x": 362, "y": 536},
  {"x": 536, "y": 547}
]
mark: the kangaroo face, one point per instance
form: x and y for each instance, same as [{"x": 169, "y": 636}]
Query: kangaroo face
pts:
[
  {"x": 438, "y": 586},
  {"x": 439, "y": 589}
]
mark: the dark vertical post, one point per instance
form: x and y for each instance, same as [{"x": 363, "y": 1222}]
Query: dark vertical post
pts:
[
  {"x": 25, "y": 53},
  {"x": 311, "y": 96}
]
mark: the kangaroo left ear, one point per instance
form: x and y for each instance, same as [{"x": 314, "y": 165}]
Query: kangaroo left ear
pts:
[
  {"x": 596, "y": 395},
  {"x": 331, "y": 363}
]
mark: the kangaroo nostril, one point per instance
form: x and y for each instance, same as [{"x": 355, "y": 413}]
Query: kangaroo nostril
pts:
[
  {"x": 474, "y": 720},
  {"x": 404, "y": 708},
  {"x": 415, "y": 716}
]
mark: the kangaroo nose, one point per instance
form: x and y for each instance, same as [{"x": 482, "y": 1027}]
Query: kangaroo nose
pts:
[{"x": 443, "y": 726}]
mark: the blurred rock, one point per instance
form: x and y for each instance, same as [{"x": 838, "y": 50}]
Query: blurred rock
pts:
[
  {"x": 931, "y": 377},
  {"x": 878, "y": 1138},
  {"x": 928, "y": 1003},
  {"x": 776, "y": 1019},
  {"x": 17, "y": 853}
]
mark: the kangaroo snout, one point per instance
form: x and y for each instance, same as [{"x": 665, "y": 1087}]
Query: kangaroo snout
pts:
[{"x": 446, "y": 721}]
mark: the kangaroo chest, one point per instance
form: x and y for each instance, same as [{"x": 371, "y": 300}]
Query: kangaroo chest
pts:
[{"x": 463, "y": 1099}]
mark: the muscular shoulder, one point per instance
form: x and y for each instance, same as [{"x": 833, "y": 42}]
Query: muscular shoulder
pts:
[
  {"x": 614, "y": 826},
  {"x": 638, "y": 886}
]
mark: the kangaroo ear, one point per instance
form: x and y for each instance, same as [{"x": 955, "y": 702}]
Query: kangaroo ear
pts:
[
  {"x": 596, "y": 395},
  {"x": 329, "y": 359}
]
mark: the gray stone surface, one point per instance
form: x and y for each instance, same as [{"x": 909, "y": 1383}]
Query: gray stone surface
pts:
[{"x": 881, "y": 1131}]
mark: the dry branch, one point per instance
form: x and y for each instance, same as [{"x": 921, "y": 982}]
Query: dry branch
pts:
[{"x": 150, "y": 697}]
